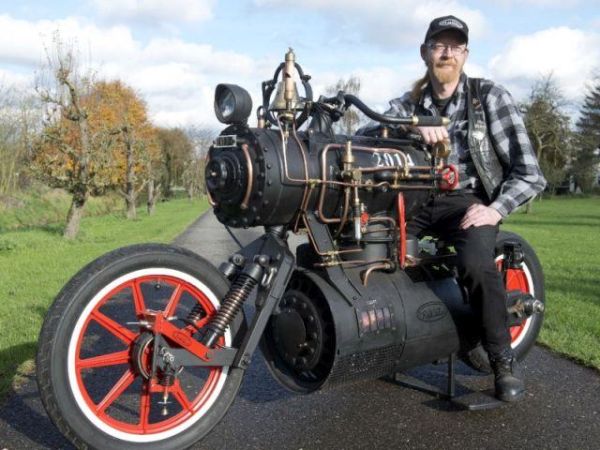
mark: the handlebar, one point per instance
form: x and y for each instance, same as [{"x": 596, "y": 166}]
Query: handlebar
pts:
[{"x": 424, "y": 121}]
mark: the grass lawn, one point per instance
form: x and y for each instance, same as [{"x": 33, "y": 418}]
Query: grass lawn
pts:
[
  {"x": 565, "y": 233},
  {"x": 36, "y": 263}
]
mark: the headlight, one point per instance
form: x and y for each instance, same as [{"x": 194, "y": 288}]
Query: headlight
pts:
[{"x": 232, "y": 104}]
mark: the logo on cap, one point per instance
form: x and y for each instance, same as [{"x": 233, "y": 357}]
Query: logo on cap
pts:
[{"x": 450, "y": 23}]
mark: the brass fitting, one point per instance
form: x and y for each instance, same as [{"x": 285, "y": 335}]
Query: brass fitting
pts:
[
  {"x": 441, "y": 149},
  {"x": 289, "y": 94},
  {"x": 348, "y": 157}
]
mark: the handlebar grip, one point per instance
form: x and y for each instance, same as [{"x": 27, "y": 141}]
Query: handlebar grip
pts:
[{"x": 430, "y": 121}]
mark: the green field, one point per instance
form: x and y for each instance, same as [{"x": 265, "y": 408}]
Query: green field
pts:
[
  {"x": 36, "y": 263},
  {"x": 565, "y": 233}
]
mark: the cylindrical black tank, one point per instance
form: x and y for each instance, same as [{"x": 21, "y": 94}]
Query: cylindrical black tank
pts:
[
  {"x": 247, "y": 181},
  {"x": 316, "y": 340}
]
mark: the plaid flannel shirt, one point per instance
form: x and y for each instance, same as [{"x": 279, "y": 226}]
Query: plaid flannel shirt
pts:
[{"x": 523, "y": 178}]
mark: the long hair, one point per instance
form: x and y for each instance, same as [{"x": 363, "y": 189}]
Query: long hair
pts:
[{"x": 418, "y": 87}]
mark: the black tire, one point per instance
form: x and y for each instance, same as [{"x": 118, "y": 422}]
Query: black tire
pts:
[
  {"x": 477, "y": 357},
  {"x": 63, "y": 383}
]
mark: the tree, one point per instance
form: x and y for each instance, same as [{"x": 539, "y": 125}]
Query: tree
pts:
[
  {"x": 352, "y": 118},
  {"x": 549, "y": 130},
  {"x": 176, "y": 149},
  {"x": 20, "y": 120},
  {"x": 69, "y": 154},
  {"x": 193, "y": 176},
  {"x": 118, "y": 108},
  {"x": 587, "y": 157}
]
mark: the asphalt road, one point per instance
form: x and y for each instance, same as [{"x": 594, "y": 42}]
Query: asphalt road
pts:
[{"x": 561, "y": 409}]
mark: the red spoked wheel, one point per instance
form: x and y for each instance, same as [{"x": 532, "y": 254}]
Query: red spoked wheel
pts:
[
  {"x": 131, "y": 405},
  {"x": 96, "y": 353},
  {"x": 528, "y": 278},
  {"x": 518, "y": 280}
]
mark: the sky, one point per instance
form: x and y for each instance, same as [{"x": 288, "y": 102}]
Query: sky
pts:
[{"x": 175, "y": 52}]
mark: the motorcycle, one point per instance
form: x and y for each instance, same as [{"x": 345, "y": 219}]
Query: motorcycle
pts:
[{"x": 146, "y": 347}]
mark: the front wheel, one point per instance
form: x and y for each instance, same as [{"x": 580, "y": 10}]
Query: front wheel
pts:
[
  {"x": 529, "y": 278},
  {"x": 95, "y": 358}
]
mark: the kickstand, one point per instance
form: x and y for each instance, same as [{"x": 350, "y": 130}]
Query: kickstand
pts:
[{"x": 473, "y": 400}]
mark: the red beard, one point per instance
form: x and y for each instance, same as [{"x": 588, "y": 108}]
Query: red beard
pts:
[{"x": 446, "y": 72}]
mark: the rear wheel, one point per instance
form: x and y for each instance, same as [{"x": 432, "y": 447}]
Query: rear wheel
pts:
[
  {"x": 95, "y": 358},
  {"x": 529, "y": 278}
]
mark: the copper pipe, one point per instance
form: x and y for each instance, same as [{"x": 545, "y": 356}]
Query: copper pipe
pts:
[
  {"x": 302, "y": 210},
  {"x": 367, "y": 273},
  {"x": 376, "y": 219},
  {"x": 211, "y": 202},
  {"x": 379, "y": 231},
  {"x": 324, "y": 181},
  {"x": 386, "y": 168},
  {"x": 285, "y": 164},
  {"x": 244, "y": 204},
  {"x": 305, "y": 194},
  {"x": 311, "y": 238},
  {"x": 355, "y": 262},
  {"x": 344, "y": 211}
]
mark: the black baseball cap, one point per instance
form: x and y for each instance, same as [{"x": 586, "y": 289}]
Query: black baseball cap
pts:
[{"x": 447, "y": 23}]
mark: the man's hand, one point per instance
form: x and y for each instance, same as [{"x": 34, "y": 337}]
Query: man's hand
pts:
[
  {"x": 431, "y": 135},
  {"x": 478, "y": 215}
]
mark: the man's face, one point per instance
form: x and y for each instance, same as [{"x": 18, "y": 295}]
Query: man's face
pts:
[{"x": 445, "y": 56}]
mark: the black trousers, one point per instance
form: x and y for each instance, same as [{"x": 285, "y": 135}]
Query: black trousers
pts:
[{"x": 477, "y": 270}]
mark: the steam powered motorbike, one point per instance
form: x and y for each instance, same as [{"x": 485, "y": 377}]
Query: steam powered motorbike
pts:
[{"x": 146, "y": 347}]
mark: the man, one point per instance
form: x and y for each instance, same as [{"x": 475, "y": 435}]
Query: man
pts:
[{"x": 498, "y": 172}]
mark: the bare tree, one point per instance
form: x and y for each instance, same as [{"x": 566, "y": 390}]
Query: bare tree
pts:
[
  {"x": 132, "y": 186},
  {"x": 153, "y": 186},
  {"x": 548, "y": 127},
  {"x": 176, "y": 148},
  {"x": 352, "y": 118},
  {"x": 20, "y": 120},
  {"x": 193, "y": 175},
  {"x": 67, "y": 155}
]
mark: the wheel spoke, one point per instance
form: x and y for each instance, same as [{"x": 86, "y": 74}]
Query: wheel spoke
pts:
[
  {"x": 109, "y": 359},
  {"x": 119, "y": 387},
  {"x": 138, "y": 298},
  {"x": 145, "y": 397},
  {"x": 181, "y": 396},
  {"x": 118, "y": 330},
  {"x": 174, "y": 301}
]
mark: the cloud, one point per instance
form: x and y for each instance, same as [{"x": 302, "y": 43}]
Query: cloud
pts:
[
  {"x": 386, "y": 23},
  {"x": 22, "y": 42},
  {"x": 13, "y": 80},
  {"x": 540, "y": 3},
  {"x": 175, "y": 77},
  {"x": 155, "y": 11},
  {"x": 569, "y": 54}
]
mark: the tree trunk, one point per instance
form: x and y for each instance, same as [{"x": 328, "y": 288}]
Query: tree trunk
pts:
[
  {"x": 74, "y": 216},
  {"x": 130, "y": 205},
  {"x": 130, "y": 193},
  {"x": 153, "y": 195}
]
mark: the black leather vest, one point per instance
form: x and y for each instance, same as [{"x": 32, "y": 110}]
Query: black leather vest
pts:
[{"x": 488, "y": 165}]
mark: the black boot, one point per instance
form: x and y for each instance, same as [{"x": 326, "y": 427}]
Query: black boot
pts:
[{"x": 507, "y": 378}]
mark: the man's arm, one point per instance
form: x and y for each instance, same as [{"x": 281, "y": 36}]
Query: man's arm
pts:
[{"x": 523, "y": 179}]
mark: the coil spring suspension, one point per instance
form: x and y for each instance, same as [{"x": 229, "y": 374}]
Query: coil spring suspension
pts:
[
  {"x": 196, "y": 314},
  {"x": 238, "y": 293}
]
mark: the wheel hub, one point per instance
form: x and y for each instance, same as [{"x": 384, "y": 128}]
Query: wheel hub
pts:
[
  {"x": 141, "y": 354},
  {"x": 298, "y": 333}
]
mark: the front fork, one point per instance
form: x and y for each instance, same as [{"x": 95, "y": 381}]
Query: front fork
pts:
[{"x": 266, "y": 263}]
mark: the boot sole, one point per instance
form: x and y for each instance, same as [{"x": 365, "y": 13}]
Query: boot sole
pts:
[{"x": 511, "y": 398}]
